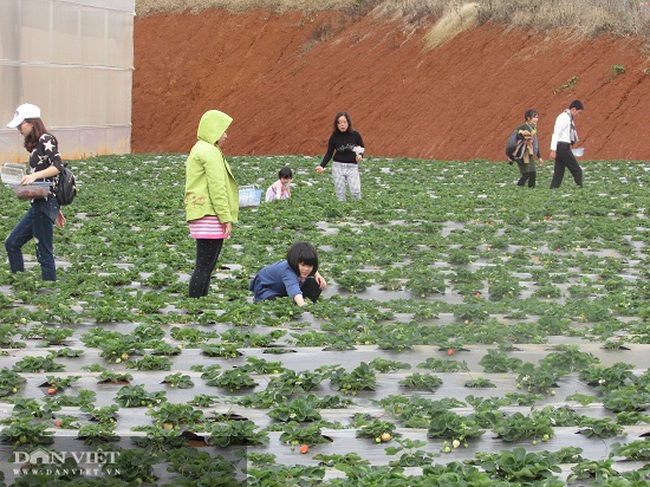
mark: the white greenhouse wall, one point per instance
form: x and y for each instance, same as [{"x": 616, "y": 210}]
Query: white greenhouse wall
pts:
[{"x": 74, "y": 59}]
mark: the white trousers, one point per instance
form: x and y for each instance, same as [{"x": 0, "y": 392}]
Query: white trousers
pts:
[{"x": 346, "y": 174}]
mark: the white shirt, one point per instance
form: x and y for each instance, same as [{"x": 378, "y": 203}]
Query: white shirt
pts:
[{"x": 562, "y": 130}]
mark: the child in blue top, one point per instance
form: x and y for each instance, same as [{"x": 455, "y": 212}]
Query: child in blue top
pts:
[{"x": 297, "y": 276}]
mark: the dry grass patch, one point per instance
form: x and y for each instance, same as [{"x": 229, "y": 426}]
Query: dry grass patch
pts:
[
  {"x": 584, "y": 17},
  {"x": 453, "y": 22},
  {"x": 148, "y": 7}
]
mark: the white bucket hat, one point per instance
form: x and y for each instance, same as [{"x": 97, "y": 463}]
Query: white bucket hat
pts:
[{"x": 26, "y": 110}]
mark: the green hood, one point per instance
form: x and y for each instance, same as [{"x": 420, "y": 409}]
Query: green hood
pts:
[{"x": 212, "y": 126}]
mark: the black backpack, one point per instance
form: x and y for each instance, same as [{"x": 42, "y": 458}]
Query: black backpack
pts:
[
  {"x": 66, "y": 188},
  {"x": 511, "y": 146}
]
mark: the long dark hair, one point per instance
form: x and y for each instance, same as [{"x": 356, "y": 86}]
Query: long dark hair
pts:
[
  {"x": 336, "y": 121},
  {"x": 302, "y": 253},
  {"x": 32, "y": 138}
]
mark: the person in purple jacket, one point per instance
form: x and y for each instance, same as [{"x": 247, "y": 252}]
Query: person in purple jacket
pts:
[{"x": 297, "y": 277}]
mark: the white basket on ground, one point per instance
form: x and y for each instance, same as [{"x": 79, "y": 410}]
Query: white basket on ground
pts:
[
  {"x": 249, "y": 196},
  {"x": 12, "y": 173}
]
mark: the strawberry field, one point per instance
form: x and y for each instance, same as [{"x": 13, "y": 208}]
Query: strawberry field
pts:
[{"x": 473, "y": 333}]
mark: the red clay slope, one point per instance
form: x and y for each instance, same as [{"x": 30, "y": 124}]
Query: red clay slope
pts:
[{"x": 459, "y": 101}]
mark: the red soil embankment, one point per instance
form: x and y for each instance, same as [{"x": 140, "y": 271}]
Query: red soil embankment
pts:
[{"x": 283, "y": 84}]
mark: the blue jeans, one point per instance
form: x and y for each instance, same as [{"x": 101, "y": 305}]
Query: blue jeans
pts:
[{"x": 38, "y": 224}]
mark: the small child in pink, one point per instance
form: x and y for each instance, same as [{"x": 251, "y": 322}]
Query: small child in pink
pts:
[{"x": 281, "y": 189}]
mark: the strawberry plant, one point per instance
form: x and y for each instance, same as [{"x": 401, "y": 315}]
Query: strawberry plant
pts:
[
  {"x": 97, "y": 434},
  {"x": 66, "y": 421},
  {"x": 301, "y": 409},
  {"x": 480, "y": 383},
  {"x": 452, "y": 427},
  {"x": 284, "y": 475},
  {"x": 106, "y": 415},
  {"x": 425, "y": 283},
  {"x": 66, "y": 352},
  {"x": 7, "y": 332},
  {"x": 51, "y": 335},
  {"x": 521, "y": 467},
  {"x": 443, "y": 365},
  {"x": 361, "y": 378},
  {"x": 150, "y": 362},
  {"x": 295, "y": 434},
  {"x": 426, "y": 382},
  {"x": 241, "y": 433},
  {"x": 112, "y": 377},
  {"x": 23, "y": 430},
  {"x": 290, "y": 382},
  {"x": 233, "y": 379},
  {"x": 221, "y": 350},
  {"x": 203, "y": 401},
  {"x": 398, "y": 338},
  {"x": 10, "y": 382},
  {"x": 252, "y": 340},
  {"x": 37, "y": 364},
  {"x": 411, "y": 455},
  {"x": 85, "y": 398},
  {"x": 384, "y": 366},
  {"x": 261, "y": 366},
  {"x": 132, "y": 466},
  {"x": 608, "y": 378},
  {"x": 31, "y": 407},
  {"x": 191, "y": 335},
  {"x": 137, "y": 396},
  {"x": 178, "y": 381},
  {"x": 518, "y": 427},
  {"x": 592, "y": 470},
  {"x": 351, "y": 279},
  {"x": 504, "y": 289},
  {"x": 193, "y": 464},
  {"x": 538, "y": 379},
  {"x": 164, "y": 348},
  {"x": 159, "y": 439},
  {"x": 377, "y": 430},
  {"x": 600, "y": 427},
  {"x": 169, "y": 415},
  {"x": 331, "y": 461},
  {"x": 635, "y": 451},
  {"x": 119, "y": 349},
  {"x": 60, "y": 383},
  {"x": 498, "y": 362},
  {"x": 628, "y": 398}
]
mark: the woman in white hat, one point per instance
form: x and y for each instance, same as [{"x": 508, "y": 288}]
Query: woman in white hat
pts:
[{"x": 38, "y": 223}]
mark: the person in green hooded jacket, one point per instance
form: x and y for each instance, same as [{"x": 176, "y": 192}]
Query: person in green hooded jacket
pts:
[{"x": 211, "y": 197}]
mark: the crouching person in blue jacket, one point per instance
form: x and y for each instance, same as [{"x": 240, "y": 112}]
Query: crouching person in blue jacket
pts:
[{"x": 297, "y": 276}]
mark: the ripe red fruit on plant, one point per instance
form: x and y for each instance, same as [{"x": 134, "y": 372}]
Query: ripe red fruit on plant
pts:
[
  {"x": 450, "y": 351},
  {"x": 304, "y": 449},
  {"x": 51, "y": 391}
]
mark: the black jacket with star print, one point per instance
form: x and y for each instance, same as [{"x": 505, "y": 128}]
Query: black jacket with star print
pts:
[{"x": 45, "y": 154}]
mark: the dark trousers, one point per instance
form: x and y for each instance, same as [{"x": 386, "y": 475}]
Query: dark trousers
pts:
[
  {"x": 564, "y": 159},
  {"x": 38, "y": 224},
  {"x": 529, "y": 177},
  {"x": 310, "y": 289},
  {"x": 207, "y": 253}
]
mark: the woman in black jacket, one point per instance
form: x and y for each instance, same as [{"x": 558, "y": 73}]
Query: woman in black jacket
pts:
[
  {"x": 346, "y": 147},
  {"x": 44, "y": 212}
]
